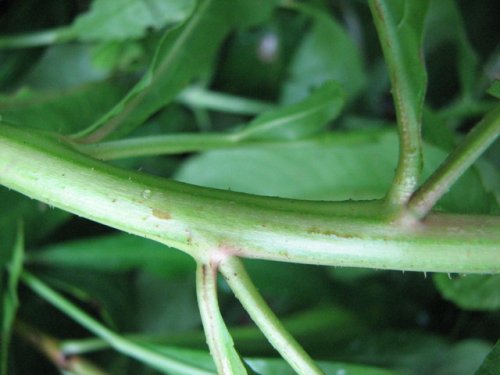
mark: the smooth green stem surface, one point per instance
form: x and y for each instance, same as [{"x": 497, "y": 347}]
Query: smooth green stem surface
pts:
[
  {"x": 51, "y": 349},
  {"x": 119, "y": 343},
  {"x": 201, "y": 221},
  {"x": 158, "y": 145},
  {"x": 35, "y": 39},
  {"x": 408, "y": 107},
  {"x": 236, "y": 276},
  {"x": 219, "y": 341},
  {"x": 200, "y": 98},
  {"x": 321, "y": 326},
  {"x": 474, "y": 144},
  {"x": 467, "y": 108}
]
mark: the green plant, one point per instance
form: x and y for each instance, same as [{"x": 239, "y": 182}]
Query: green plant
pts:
[{"x": 317, "y": 133}]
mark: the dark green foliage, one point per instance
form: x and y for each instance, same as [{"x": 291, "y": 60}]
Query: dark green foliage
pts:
[{"x": 117, "y": 68}]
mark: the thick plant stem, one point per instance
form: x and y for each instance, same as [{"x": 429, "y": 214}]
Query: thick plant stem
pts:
[
  {"x": 218, "y": 338},
  {"x": 200, "y": 220},
  {"x": 120, "y": 344},
  {"x": 476, "y": 142},
  {"x": 239, "y": 281},
  {"x": 408, "y": 97}
]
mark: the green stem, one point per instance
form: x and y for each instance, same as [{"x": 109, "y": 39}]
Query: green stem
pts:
[
  {"x": 466, "y": 108},
  {"x": 120, "y": 344},
  {"x": 51, "y": 349},
  {"x": 200, "y": 220},
  {"x": 218, "y": 338},
  {"x": 236, "y": 276},
  {"x": 158, "y": 145},
  {"x": 407, "y": 100},
  {"x": 476, "y": 142},
  {"x": 201, "y": 98},
  {"x": 35, "y": 39},
  {"x": 321, "y": 326}
]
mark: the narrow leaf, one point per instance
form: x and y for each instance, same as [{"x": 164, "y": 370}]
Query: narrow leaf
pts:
[
  {"x": 300, "y": 120},
  {"x": 10, "y": 301},
  {"x": 183, "y": 54},
  {"x": 151, "y": 357}
]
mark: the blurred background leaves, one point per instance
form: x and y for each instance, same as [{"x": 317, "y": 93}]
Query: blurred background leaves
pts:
[{"x": 98, "y": 51}]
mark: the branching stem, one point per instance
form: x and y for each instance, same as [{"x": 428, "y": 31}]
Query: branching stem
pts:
[
  {"x": 476, "y": 142},
  {"x": 194, "y": 219},
  {"x": 408, "y": 100},
  {"x": 219, "y": 341},
  {"x": 236, "y": 276}
]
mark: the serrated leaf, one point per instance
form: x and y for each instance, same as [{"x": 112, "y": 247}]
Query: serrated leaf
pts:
[
  {"x": 116, "y": 253},
  {"x": 326, "y": 53},
  {"x": 10, "y": 301},
  {"x": 491, "y": 364},
  {"x": 471, "y": 292},
  {"x": 299, "y": 120},
  {"x": 183, "y": 54},
  {"x": 127, "y": 19}
]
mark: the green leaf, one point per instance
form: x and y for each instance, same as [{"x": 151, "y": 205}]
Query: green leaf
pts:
[
  {"x": 62, "y": 111},
  {"x": 38, "y": 218},
  {"x": 115, "y": 253},
  {"x": 267, "y": 366},
  {"x": 63, "y": 67},
  {"x": 494, "y": 89},
  {"x": 299, "y": 120},
  {"x": 462, "y": 358},
  {"x": 280, "y": 367},
  {"x": 183, "y": 54},
  {"x": 326, "y": 53},
  {"x": 491, "y": 364},
  {"x": 471, "y": 292},
  {"x": 356, "y": 165},
  {"x": 127, "y": 19},
  {"x": 10, "y": 301}
]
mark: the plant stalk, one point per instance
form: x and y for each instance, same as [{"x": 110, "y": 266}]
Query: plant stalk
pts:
[
  {"x": 476, "y": 142},
  {"x": 201, "y": 221},
  {"x": 236, "y": 276}
]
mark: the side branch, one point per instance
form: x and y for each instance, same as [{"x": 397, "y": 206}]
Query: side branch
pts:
[
  {"x": 401, "y": 45},
  {"x": 476, "y": 142},
  {"x": 239, "y": 281}
]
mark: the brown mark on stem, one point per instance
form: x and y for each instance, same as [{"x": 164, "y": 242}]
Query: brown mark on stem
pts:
[{"x": 160, "y": 214}]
